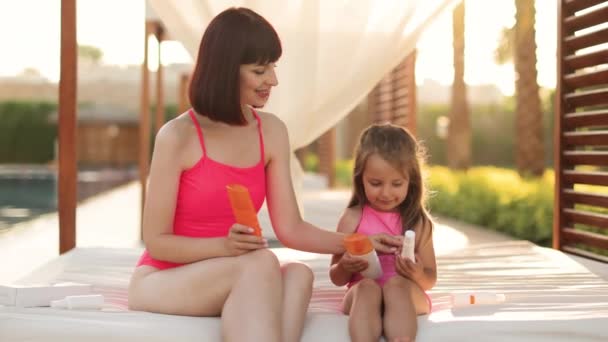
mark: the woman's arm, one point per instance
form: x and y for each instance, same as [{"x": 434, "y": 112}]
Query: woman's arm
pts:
[
  {"x": 167, "y": 164},
  {"x": 339, "y": 274},
  {"x": 284, "y": 214}
]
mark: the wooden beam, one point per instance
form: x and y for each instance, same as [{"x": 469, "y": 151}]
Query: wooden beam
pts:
[
  {"x": 561, "y": 107},
  {"x": 160, "y": 96},
  {"x": 587, "y": 98},
  {"x": 586, "y": 40},
  {"x": 585, "y": 119},
  {"x": 594, "y": 17},
  {"x": 597, "y": 158},
  {"x": 182, "y": 97},
  {"x": 586, "y": 60},
  {"x": 577, "y": 5},
  {"x": 585, "y": 177},
  {"x": 68, "y": 171},
  {"x": 144, "y": 121},
  {"x": 587, "y": 79},
  {"x": 585, "y": 138}
]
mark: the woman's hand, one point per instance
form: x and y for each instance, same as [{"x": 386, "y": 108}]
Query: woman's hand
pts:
[
  {"x": 241, "y": 240},
  {"x": 352, "y": 264},
  {"x": 385, "y": 243},
  {"x": 406, "y": 268}
]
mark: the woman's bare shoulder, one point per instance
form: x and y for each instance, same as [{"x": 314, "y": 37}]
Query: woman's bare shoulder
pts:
[
  {"x": 175, "y": 132},
  {"x": 270, "y": 121}
]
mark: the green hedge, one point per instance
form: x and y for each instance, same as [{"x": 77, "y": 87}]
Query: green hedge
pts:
[
  {"x": 26, "y": 135},
  {"x": 495, "y": 198}
]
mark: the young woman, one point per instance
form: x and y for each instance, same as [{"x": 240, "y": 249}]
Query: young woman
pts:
[{"x": 198, "y": 261}]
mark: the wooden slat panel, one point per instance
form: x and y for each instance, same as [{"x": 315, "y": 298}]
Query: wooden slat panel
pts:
[
  {"x": 588, "y": 98},
  {"x": 586, "y": 40},
  {"x": 587, "y": 59},
  {"x": 590, "y": 138},
  {"x": 587, "y": 79},
  {"x": 589, "y": 19},
  {"x": 586, "y": 217},
  {"x": 586, "y": 254},
  {"x": 588, "y": 198},
  {"x": 586, "y": 119},
  {"x": 577, "y": 5},
  {"x": 597, "y": 158},
  {"x": 401, "y": 92},
  {"x": 586, "y": 177},
  {"x": 588, "y": 238}
]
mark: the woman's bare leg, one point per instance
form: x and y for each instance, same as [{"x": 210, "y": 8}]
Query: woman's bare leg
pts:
[
  {"x": 363, "y": 303},
  {"x": 297, "y": 290},
  {"x": 403, "y": 302},
  {"x": 237, "y": 288}
]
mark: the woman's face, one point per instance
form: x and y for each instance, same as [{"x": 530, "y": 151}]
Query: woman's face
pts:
[{"x": 256, "y": 80}]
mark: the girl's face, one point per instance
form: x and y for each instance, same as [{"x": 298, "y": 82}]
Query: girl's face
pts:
[
  {"x": 385, "y": 187},
  {"x": 256, "y": 80}
]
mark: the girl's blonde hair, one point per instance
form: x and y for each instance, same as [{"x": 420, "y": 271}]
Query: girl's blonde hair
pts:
[{"x": 399, "y": 148}]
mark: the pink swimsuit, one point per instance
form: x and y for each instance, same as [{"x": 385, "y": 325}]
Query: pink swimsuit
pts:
[
  {"x": 202, "y": 208},
  {"x": 374, "y": 222}
]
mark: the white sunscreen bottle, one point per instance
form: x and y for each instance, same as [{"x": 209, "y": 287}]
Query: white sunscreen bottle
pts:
[
  {"x": 86, "y": 302},
  {"x": 409, "y": 243},
  {"x": 476, "y": 298},
  {"x": 359, "y": 246}
]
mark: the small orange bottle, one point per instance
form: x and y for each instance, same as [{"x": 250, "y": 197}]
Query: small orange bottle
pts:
[
  {"x": 359, "y": 246},
  {"x": 242, "y": 207}
]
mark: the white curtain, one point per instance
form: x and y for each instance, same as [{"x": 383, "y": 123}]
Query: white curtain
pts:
[{"x": 334, "y": 51}]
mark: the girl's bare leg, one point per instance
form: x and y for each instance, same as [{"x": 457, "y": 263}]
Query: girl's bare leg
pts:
[
  {"x": 363, "y": 303},
  {"x": 403, "y": 302},
  {"x": 297, "y": 290},
  {"x": 237, "y": 288}
]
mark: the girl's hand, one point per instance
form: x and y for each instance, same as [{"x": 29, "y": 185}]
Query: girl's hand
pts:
[
  {"x": 241, "y": 240},
  {"x": 352, "y": 264},
  {"x": 406, "y": 268},
  {"x": 385, "y": 243}
]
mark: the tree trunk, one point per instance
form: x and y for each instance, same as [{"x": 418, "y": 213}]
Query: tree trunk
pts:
[
  {"x": 459, "y": 130},
  {"x": 528, "y": 116}
]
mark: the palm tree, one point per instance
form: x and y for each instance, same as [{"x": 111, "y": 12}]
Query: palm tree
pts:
[
  {"x": 459, "y": 129},
  {"x": 518, "y": 43}
]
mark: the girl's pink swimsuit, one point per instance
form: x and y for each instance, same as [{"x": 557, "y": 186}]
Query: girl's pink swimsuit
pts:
[
  {"x": 202, "y": 207},
  {"x": 373, "y": 222}
]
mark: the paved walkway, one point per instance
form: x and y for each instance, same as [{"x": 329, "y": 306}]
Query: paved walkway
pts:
[{"x": 112, "y": 220}]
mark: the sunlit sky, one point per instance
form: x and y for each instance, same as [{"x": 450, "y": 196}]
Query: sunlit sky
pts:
[{"x": 30, "y": 38}]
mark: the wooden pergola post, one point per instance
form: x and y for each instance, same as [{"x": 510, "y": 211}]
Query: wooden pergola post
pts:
[
  {"x": 68, "y": 171},
  {"x": 144, "y": 119},
  {"x": 160, "y": 97},
  {"x": 182, "y": 97},
  {"x": 327, "y": 156}
]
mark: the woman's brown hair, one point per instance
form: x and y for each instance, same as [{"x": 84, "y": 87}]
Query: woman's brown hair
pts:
[{"x": 234, "y": 37}]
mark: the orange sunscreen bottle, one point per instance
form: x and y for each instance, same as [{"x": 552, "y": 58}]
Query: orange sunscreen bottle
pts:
[
  {"x": 359, "y": 246},
  {"x": 242, "y": 207}
]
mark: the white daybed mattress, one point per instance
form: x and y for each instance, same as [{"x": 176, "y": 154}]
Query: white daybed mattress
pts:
[{"x": 550, "y": 297}]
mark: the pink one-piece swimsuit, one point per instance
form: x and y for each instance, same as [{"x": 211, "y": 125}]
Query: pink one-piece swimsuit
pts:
[{"x": 202, "y": 208}]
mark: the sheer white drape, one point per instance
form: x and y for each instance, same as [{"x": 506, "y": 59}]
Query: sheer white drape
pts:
[{"x": 334, "y": 51}]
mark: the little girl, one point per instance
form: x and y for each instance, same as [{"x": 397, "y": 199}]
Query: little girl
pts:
[{"x": 389, "y": 197}]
